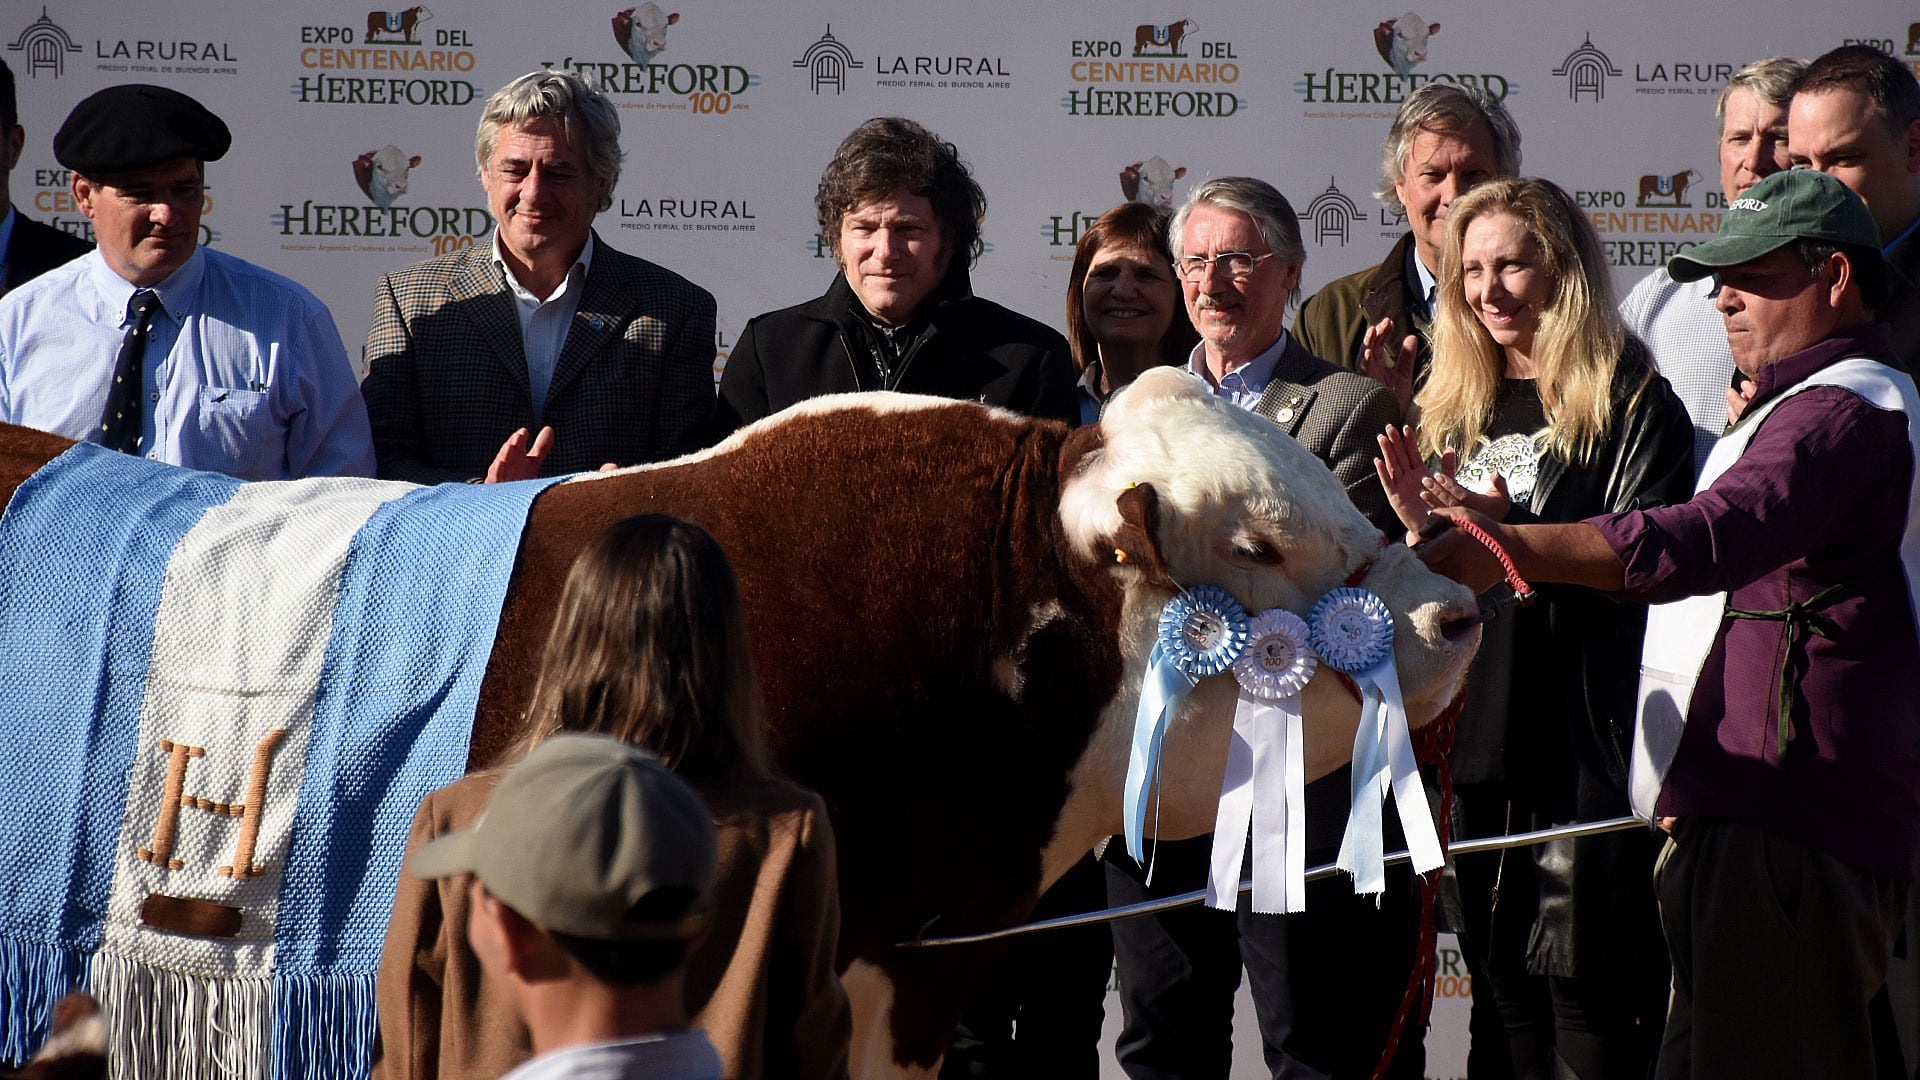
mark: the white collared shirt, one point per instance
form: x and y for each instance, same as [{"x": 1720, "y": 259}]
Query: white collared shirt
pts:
[{"x": 544, "y": 320}]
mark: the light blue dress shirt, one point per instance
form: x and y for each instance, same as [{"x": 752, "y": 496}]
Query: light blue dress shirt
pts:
[
  {"x": 244, "y": 374},
  {"x": 1680, "y": 326},
  {"x": 1244, "y": 384}
]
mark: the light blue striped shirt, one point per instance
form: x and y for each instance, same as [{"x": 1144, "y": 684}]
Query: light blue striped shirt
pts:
[
  {"x": 244, "y": 374},
  {"x": 544, "y": 319},
  {"x": 1244, "y": 384}
]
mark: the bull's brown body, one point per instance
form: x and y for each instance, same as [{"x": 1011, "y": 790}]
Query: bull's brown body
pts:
[{"x": 876, "y": 600}]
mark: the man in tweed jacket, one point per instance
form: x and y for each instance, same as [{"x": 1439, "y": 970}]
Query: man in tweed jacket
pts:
[{"x": 608, "y": 357}]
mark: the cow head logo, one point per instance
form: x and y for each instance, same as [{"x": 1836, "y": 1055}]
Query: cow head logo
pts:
[
  {"x": 1402, "y": 42},
  {"x": 46, "y": 46},
  {"x": 1150, "y": 182},
  {"x": 1913, "y": 39},
  {"x": 642, "y": 31},
  {"x": 1150, "y": 39},
  {"x": 1666, "y": 189},
  {"x": 382, "y": 174},
  {"x": 397, "y": 24}
]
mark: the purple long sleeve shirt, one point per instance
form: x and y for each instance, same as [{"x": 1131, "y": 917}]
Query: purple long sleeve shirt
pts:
[{"x": 1818, "y": 498}]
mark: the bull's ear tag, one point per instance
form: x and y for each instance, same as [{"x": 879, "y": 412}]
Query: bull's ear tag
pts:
[
  {"x": 1263, "y": 788},
  {"x": 1352, "y": 630},
  {"x": 1202, "y": 632}
]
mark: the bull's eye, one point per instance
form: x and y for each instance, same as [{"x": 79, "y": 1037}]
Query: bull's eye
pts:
[{"x": 1258, "y": 551}]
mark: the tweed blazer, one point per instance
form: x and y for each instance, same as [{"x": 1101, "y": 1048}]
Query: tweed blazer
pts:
[
  {"x": 447, "y": 375},
  {"x": 1337, "y": 416},
  {"x": 36, "y": 248}
]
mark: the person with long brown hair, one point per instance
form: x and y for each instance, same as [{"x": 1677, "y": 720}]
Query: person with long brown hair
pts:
[
  {"x": 1124, "y": 312},
  {"x": 649, "y": 646},
  {"x": 1539, "y": 407}
]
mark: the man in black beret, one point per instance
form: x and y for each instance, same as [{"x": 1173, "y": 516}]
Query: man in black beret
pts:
[
  {"x": 28, "y": 248},
  {"x": 154, "y": 345}
]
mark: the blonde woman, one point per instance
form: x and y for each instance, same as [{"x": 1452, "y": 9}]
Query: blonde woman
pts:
[{"x": 1539, "y": 407}]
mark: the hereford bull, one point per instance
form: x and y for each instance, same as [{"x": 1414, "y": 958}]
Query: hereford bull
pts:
[{"x": 951, "y": 608}]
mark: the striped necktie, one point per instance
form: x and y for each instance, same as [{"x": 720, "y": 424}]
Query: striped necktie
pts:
[{"x": 120, "y": 423}]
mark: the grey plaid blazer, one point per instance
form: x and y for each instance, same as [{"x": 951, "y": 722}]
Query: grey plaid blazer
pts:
[
  {"x": 1336, "y": 415},
  {"x": 447, "y": 377}
]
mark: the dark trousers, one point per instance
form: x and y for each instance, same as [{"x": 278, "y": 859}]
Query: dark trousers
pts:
[
  {"x": 1777, "y": 951},
  {"x": 1326, "y": 982}
]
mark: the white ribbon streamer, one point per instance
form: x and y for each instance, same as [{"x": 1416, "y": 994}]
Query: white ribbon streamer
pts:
[{"x": 1263, "y": 787}]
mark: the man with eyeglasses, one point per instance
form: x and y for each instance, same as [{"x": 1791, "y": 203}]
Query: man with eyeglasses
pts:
[
  {"x": 1326, "y": 981},
  {"x": 154, "y": 345}
]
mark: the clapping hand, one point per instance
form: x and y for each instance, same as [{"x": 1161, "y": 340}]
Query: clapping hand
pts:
[{"x": 1386, "y": 367}]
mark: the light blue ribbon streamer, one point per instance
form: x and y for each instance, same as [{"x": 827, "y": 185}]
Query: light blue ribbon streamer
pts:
[
  {"x": 1363, "y": 847},
  {"x": 1161, "y": 693}
]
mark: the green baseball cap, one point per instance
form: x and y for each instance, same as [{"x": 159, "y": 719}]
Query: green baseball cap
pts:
[
  {"x": 578, "y": 833},
  {"x": 1797, "y": 204}
]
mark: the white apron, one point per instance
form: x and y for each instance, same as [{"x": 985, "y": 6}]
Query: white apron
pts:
[{"x": 1682, "y": 633}]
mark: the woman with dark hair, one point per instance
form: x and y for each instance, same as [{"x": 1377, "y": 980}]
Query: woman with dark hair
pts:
[
  {"x": 1538, "y": 406},
  {"x": 1124, "y": 310},
  {"x": 649, "y": 645}
]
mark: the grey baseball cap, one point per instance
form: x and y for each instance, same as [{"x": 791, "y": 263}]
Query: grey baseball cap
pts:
[
  {"x": 1796, "y": 204},
  {"x": 581, "y": 831}
]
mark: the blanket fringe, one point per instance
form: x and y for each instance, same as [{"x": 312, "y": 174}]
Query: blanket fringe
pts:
[
  {"x": 326, "y": 1026},
  {"x": 33, "y": 975},
  {"x": 168, "y": 1026}
]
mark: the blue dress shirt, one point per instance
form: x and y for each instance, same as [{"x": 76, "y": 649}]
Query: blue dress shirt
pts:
[
  {"x": 244, "y": 374},
  {"x": 1244, "y": 384}
]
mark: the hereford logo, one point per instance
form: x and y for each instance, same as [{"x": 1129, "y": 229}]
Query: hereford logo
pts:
[
  {"x": 1754, "y": 205},
  {"x": 827, "y": 62},
  {"x": 1332, "y": 215},
  {"x": 1155, "y": 77},
  {"x": 691, "y": 83},
  {"x": 1587, "y": 70},
  {"x": 1402, "y": 42},
  {"x": 46, "y": 46},
  {"x": 382, "y": 174},
  {"x": 396, "y": 24},
  {"x": 391, "y": 61},
  {"x": 1650, "y": 221},
  {"x": 1150, "y": 182},
  {"x": 1151, "y": 40},
  {"x": 1669, "y": 190},
  {"x": 380, "y": 224}
]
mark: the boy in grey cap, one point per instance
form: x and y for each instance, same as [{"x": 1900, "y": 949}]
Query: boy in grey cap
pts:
[{"x": 592, "y": 869}]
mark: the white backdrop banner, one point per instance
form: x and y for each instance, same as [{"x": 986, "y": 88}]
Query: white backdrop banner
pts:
[{"x": 353, "y": 127}]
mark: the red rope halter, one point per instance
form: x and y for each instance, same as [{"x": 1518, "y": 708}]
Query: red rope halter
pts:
[{"x": 1431, "y": 745}]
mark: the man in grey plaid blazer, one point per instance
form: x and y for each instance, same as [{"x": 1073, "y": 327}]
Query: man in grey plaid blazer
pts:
[{"x": 546, "y": 329}]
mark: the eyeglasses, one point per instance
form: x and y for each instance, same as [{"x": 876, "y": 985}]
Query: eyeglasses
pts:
[{"x": 1238, "y": 265}]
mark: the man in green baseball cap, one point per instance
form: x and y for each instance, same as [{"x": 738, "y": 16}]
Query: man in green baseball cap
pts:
[
  {"x": 1776, "y": 729},
  {"x": 592, "y": 867}
]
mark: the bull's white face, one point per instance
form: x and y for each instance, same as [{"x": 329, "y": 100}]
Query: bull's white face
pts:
[{"x": 1244, "y": 507}]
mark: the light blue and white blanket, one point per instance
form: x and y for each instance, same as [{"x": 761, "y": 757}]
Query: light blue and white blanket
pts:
[{"x": 231, "y": 695}]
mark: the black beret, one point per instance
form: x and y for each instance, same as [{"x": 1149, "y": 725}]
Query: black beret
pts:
[{"x": 127, "y": 128}]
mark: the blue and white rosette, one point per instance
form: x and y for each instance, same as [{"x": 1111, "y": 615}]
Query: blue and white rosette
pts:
[
  {"x": 1264, "y": 788},
  {"x": 1202, "y": 632},
  {"x": 1352, "y": 630}
]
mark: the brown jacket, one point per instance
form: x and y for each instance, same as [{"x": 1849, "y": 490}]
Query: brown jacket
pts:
[{"x": 761, "y": 985}]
